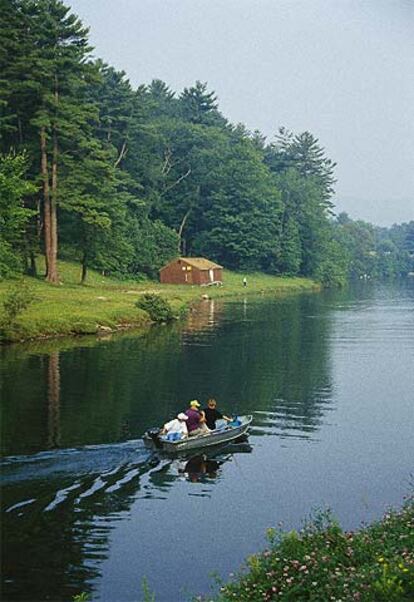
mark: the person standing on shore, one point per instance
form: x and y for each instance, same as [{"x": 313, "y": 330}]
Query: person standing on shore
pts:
[{"x": 245, "y": 281}]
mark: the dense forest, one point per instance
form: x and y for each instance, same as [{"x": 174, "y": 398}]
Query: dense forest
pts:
[{"x": 123, "y": 179}]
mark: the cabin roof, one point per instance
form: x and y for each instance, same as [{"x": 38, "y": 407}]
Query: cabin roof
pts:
[{"x": 201, "y": 263}]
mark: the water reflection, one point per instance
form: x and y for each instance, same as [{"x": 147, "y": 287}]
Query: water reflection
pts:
[
  {"x": 76, "y": 499},
  {"x": 250, "y": 355},
  {"x": 86, "y": 495},
  {"x": 204, "y": 467},
  {"x": 200, "y": 467},
  {"x": 53, "y": 400},
  {"x": 203, "y": 316}
]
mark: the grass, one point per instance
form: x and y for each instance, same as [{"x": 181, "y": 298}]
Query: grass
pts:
[
  {"x": 106, "y": 303},
  {"x": 323, "y": 563}
]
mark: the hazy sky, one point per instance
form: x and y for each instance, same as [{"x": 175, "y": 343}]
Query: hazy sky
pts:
[{"x": 342, "y": 69}]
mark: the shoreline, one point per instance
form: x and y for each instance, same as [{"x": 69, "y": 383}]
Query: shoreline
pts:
[
  {"x": 105, "y": 306},
  {"x": 321, "y": 561}
]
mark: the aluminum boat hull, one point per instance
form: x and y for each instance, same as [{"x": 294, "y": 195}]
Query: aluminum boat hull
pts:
[{"x": 217, "y": 437}]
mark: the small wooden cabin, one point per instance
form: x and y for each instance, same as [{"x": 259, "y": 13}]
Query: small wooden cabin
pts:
[{"x": 191, "y": 270}]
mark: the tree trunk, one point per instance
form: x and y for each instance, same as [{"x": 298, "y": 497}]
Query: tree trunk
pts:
[
  {"x": 46, "y": 197},
  {"x": 181, "y": 228},
  {"x": 20, "y": 130},
  {"x": 33, "y": 268},
  {"x": 84, "y": 268},
  {"x": 52, "y": 275},
  {"x": 122, "y": 154}
]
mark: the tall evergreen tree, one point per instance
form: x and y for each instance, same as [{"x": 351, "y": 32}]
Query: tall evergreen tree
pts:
[
  {"x": 164, "y": 102},
  {"x": 306, "y": 178},
  {"x": 43, "y": 101},
  {"x": 199, "y": 106},
  {"x": 60, "y": 55},
  {"x": 13, "y": 214},
  {"x": 303, "y": 153}
]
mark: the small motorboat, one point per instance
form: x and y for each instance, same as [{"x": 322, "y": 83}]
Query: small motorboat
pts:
[{"x": 224, "y": 433}]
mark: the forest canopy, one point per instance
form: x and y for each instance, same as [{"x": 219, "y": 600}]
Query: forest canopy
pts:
[{"x": 124, "y": 179}]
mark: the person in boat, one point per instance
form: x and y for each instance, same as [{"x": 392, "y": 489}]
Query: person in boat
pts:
[
  {"x": 176, "y": 428},
  {"x": 212, "y": 414},
  {"x": 196, "y": 423}
]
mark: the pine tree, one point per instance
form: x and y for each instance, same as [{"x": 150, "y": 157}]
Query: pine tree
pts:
[
  {"x": 61, "y": 117},
  {"x": 46, "y": 69},
  {"x": 199, "y": 106},
  {"x": 306, "y": 177},
  {"x": 13, "y": 214}
]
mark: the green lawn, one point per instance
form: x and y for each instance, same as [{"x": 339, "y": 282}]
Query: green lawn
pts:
[{"x": 71, "y": 308}]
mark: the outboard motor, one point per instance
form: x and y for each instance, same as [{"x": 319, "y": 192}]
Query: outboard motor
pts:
[{"x": 154, "y": 434}]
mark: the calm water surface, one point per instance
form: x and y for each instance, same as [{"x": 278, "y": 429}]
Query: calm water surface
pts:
[{"x": 330, "y": 381}]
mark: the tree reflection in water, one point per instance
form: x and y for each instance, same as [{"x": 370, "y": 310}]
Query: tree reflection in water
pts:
[
  {"x": 253, "y": 355},
  {"x": 53, "y": 400}
]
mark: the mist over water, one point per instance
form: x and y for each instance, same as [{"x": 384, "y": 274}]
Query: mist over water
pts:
[{"x": 86, "y": 507}]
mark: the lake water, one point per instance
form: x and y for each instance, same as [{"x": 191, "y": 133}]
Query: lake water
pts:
[{"x": 329, "y": 378}]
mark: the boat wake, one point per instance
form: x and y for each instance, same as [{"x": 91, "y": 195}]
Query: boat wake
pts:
[
  {"x": 79, "y": 460},
  {"x": 101, "y": 478},
  {"x": 55, "y": 477}
]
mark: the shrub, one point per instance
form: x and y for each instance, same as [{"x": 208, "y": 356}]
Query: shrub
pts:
[
  {"x": 322, "y": 562},
  {"x": 15, "y": 303},
  {"x": 17, "y": 300},
  {"x": 158, "y": 308}
]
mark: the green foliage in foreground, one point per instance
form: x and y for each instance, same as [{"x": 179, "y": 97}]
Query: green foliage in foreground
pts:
[
  {"x": 83, "y": 597},
  {"x": 149, "y": 596},
  {"x": 322, "y": 562}
]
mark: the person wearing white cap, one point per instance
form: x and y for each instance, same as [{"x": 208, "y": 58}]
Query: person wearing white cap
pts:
[
  {"x": 176, "y": 428},
  {"x": 196, "y": 424}
]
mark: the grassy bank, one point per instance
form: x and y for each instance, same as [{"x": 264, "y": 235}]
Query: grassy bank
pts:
[
  {"x": 323, "y": 563},
  {"x": 105, "y": 303}
]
